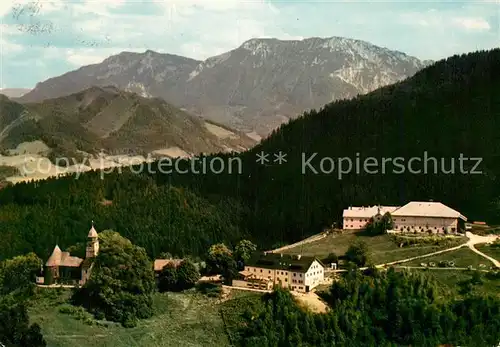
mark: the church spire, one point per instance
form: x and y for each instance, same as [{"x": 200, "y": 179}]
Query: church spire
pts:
[
  {"x": 93, "y": 243},
  {"x": 92, "y": 232}
]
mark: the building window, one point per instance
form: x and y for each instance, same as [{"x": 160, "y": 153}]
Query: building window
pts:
[
  {"x": 286, "y": 279},
  {"x": 269, "y": 271},
  {"x": 260, "y": 270}
]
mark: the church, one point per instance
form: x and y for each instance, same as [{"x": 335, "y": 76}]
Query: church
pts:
[{"x": 63, "y": 268}]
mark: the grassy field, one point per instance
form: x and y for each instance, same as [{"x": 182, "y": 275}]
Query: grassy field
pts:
[
  {"x": 462, "y": 257},
  {"x": 382, "y": 248},
  {"x": 493, "y": 252},
  {"x": 181, "y": 319}
]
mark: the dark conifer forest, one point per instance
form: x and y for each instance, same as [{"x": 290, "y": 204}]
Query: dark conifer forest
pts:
[
  {"x": 448, "y": 109},
  {"x": 376, "y": 309}
]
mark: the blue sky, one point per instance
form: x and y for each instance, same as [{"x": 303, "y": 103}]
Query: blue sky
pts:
[{"x": 42, "y": 39}]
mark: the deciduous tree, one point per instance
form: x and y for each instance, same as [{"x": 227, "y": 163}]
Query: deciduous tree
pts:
[
  {"x": 121, "y": 283},
  {"x": 358, "y": 253},
  {"x": 187, "y": 275}
]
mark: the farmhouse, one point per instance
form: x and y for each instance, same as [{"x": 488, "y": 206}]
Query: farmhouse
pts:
[
  {"x": 265, "y": 270},
  {"x": 159, "y": 264},
  {"x": 435, "y": 217},
  {"x": 63, "y": 268},
  {"x": 356, "y": 218}
]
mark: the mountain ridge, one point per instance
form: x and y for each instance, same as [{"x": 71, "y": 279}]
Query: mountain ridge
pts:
[
  {"x": 260, "y": 84},
  {"x": 107, "y": 118}
]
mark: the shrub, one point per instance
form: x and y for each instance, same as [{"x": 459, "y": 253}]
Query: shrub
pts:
[
  {"x": 357, "y": 253},
  {"x": 67, "y": 309},
  {"x": 210, "y": 289}
]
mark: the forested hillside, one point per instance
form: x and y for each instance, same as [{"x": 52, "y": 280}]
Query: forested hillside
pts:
[
  {"x": 448, "y": 109},
  {"x": 377, "y": 309},
  {"x": 36, "y": 216}
]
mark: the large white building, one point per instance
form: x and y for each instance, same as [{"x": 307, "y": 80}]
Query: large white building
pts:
[
  {"x": 356, "y": 218},
  {"x": 435, "y": 217},
  {"x": 415, "y": 216},
  {"x": 265, "y": 270}
]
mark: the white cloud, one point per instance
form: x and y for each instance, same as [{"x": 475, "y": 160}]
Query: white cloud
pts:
[
  {"x": 439, "y": 20},
  {"x": 200, "y": 28},
  {"x": 83, "y": 57},
  {"x": 88, "y": 56},
  {"x": 100, "y": 7},
  {"x": 216, "y": 5},
  {"x": 426, "y": 19},
  {"x": 472, "y": 23},
  {"x": 10, "y": 47}
]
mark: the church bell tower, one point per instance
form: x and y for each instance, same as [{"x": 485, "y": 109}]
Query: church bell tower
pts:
[{"x": 92, "y": 243}]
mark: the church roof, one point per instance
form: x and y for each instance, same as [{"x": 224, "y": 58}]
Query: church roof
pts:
[
  {"x": 70, "y": 261},
  {"x": 60, "y": 258},
  {"x": 92, "y": 232},
  {"x": 55, "y": 257}
]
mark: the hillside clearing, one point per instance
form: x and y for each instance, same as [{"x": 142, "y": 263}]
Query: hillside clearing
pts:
[
  {"x": 383, "y": 249},
  {"x": 462, "y": 257},
  {"x": 181, "y": 319},
  {"x": 451, "y": 280}
]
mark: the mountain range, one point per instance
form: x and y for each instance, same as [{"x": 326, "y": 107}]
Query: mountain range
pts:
[{"x": 253, "y": 88}]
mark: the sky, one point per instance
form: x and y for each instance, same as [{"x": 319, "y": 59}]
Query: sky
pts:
[{"x": 43, "y": 39}]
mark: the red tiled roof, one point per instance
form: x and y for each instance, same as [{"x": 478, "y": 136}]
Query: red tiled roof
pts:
[
  {"x": 59, "y": 258},
  {"x": 159, "y": 264}
]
